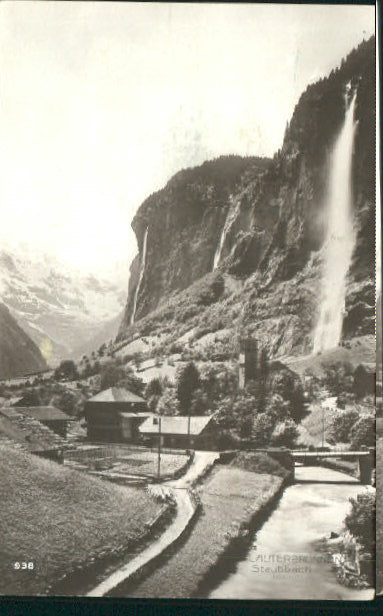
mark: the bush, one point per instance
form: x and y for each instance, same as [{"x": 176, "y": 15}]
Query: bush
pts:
[
  {"x": 363, "y": 432},
  {"x": 111, "y": 373},
  {"x": 168, "y": 403},
  {"x": 66, "y": 370},
  {"x": 341, "y": 425},
  {"x": 361, "y": 520},
  {"x": 154, "y": 388},
  {"x": 285, "y": 434},
  {"x": 259, "y": 463}
]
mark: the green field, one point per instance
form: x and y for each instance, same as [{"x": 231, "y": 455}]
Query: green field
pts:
[
  {"x": 61, "y": 519},
  {"x": 230, "y": 497}
]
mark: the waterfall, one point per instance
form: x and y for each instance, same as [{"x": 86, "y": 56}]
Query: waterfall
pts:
[
  {"x": 340, "y": 237},
  {"x": 231, "y": 216},
  {"x": 140, "y": 277}
]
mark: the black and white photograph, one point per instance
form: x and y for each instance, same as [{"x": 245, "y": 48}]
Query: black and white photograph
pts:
[{"x": 190, "y": 301}]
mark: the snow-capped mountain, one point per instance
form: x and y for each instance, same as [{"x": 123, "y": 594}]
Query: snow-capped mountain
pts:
[{"x": 60, "y": 309}]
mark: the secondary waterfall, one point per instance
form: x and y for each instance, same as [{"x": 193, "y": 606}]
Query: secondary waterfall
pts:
[
  {"x": 140, "y": 277},
  {"x": 340, "y": 237},
  {"x": 226, "y": 228}
]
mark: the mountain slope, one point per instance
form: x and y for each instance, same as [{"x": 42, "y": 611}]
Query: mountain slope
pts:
[
  {"x": 270, "y": 218},
  {"x": 18, "y": 354},
  {"x": 61, "y": 310}
]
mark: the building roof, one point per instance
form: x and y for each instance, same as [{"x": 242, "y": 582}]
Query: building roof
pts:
[
  {"x": 43, "y": 413},
  {"x": 9, "y": 401},
  {"x": 116, "y": 394},
  {"x": 133, "y": 415},
  {"x": 175, "y": 425},
  {"x": 28, "y": 433}
]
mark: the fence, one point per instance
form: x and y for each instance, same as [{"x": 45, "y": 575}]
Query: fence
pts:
[{"x": 114, "y": 452}]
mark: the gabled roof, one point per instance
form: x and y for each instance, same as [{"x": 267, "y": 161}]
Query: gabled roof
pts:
[
  {"x": 43, "y": 413},
  {"x": 27, "y": 432},
  {"x": 116, "y": 394},
  {"x": 175, "y": 425}
]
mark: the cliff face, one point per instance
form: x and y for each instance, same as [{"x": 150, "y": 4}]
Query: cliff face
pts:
[
  {"x": 184, "y": 222},
  {"x": 274, "y": 212},
  {"x": 18, "y": 354}
]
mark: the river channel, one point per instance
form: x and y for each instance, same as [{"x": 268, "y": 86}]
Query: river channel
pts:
[{"x": 285, "y": 560}]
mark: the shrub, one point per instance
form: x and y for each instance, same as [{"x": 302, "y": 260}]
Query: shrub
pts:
[
  {"x": 111, "y": 373},
  {"x": 154, "y": 388},
  {"x": 361, "y": 520},
  {"x": 363, "y": 432},
  {"x": 259, "y": 463},
  {"x": 66, "y": 370},
  {"x": 342, "y": 422},
  {"x": 285, "y": 434},
  {"x": 168, "y": 403}
]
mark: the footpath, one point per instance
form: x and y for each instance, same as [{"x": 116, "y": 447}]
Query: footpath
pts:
[{"x": 179, "y": 489}]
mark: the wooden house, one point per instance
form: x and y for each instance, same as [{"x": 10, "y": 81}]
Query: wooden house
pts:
[
  {"x": 177, "y": 432},
  {"x": 52, "y": 418},
  {"x": 26, "y": 433},
  {"x": 115, "y": 415}
]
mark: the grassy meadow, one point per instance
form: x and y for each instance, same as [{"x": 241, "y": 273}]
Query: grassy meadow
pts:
[{"x": 61, "y": 520}]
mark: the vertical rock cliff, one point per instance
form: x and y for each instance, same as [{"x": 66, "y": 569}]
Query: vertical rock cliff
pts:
[{"x": 261, "y": 224}]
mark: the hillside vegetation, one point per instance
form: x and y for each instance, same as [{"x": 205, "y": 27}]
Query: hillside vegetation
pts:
[
  {"x": 60, "y": 520},
  {"x": 18, "y": 354}
]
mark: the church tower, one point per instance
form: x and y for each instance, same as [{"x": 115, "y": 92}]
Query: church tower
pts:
[{"x": 248, "y": 361}]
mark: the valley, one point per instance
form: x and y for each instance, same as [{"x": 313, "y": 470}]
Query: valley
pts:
[{"x": 244, "y": 335}]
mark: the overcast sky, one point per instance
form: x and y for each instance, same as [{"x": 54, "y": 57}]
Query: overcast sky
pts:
[{"x": 100, "y": 103}]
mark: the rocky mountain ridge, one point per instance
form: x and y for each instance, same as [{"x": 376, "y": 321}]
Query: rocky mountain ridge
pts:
[
  {"x": 267, "y": 279},
  {"x": 61, "y": 311}
]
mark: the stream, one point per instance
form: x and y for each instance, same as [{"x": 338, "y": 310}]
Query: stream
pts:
[{"x": 285, "y": 560}]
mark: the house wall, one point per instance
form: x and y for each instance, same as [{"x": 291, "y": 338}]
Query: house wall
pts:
[
  {"x": 105, "y": 424},
  {"x": 205, "y": 440}
]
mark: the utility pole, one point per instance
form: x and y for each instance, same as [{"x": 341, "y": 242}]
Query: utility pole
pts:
[
  {"x": 323, "y": 426},
  {"x": 189, "y": 430},
  {"x": 159, "y": 448}
]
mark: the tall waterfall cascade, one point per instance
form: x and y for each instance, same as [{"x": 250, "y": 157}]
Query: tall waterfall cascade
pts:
[
  {"x": 140, "y": 277},
  {"x": 231, "y": 216},
  {"x": 340, "y": 237}
]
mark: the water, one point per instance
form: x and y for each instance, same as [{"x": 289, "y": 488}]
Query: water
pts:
[
  {"x": 340, "y": 240},
  {"x": 288, "y": 544},
  {"x": 141, "y": 275},
  {"x": 231, "y": 216}
]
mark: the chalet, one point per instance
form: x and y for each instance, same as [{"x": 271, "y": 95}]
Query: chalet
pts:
[
  {"x": 177, "y": 432},
  {"x": 115, "y": 415},
  {"x": 26, "y": 433},
  {"x": 52, "y": 418}
]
